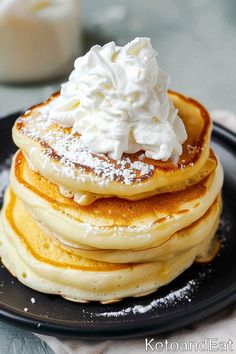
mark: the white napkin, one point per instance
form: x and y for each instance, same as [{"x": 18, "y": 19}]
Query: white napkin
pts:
[
  {"x": 221, "y": 327},
  {"x": 225, "y": 118}
]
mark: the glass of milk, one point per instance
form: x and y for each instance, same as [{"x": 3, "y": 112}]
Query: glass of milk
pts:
[{"x": 39, "y": 39}]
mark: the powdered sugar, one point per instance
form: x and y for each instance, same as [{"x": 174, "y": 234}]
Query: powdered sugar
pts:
[
  {"x": 183, "y": 294},
  {"x": 75, "y": 160},
  {"x": 223, "y": 230},
  {"x": 4, "y": 175},
  {"x": 172, "y": 299}
]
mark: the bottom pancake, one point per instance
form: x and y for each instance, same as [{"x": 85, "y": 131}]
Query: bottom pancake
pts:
[{"x": 43, "y": 265}]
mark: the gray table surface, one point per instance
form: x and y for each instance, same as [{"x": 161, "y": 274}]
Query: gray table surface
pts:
[{"x": 196, "y": 41}]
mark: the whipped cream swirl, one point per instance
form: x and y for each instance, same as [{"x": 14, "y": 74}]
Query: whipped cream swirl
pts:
[{"x": 116, "y": 99}]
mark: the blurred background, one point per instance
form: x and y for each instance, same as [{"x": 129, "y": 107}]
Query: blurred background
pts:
[{"x": 196, "y": 42}]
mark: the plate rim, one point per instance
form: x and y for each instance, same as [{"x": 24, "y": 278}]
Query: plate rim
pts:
[
  {"x": 145, "y": 326},
  {"x": 193, "y": 314}
]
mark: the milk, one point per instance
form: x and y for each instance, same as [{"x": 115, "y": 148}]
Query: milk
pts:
[{"x": 39, "y": 39}]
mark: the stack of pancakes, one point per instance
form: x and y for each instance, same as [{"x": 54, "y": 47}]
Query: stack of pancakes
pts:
[{"x": 88, "y": 228}]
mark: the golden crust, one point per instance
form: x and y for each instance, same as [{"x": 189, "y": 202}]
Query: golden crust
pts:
[
  {"x": 119, "y": 211},
  {"x": 146, "y": 175},
  {"x": 40, "y": 247}
]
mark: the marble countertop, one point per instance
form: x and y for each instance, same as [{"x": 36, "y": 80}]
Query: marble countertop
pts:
[{"x": 196, "y": 41}]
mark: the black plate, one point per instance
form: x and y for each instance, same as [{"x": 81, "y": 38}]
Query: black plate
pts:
[{"x": 198, "y": 293}]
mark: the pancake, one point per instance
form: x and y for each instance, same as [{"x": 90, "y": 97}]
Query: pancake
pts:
[
  {"x": 86, "y": 198},
  {"x": 44, "y": 266},
  {"x": 113, "y": 223},
  {"x": 60, "y": 157},
  {"x": 179, "y": 242}
]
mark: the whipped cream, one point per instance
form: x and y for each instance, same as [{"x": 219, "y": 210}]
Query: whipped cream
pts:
[{"x": 116, "y": 99}]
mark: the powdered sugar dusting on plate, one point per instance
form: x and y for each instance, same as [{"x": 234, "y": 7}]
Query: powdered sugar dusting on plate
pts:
[
  {"x": 224, "y": 230},
  {"x": 4, "y": 175},
  {"x": 173, "y": 298}
]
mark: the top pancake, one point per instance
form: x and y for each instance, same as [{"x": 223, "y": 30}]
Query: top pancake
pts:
[{"x": 60, "y": 157}]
